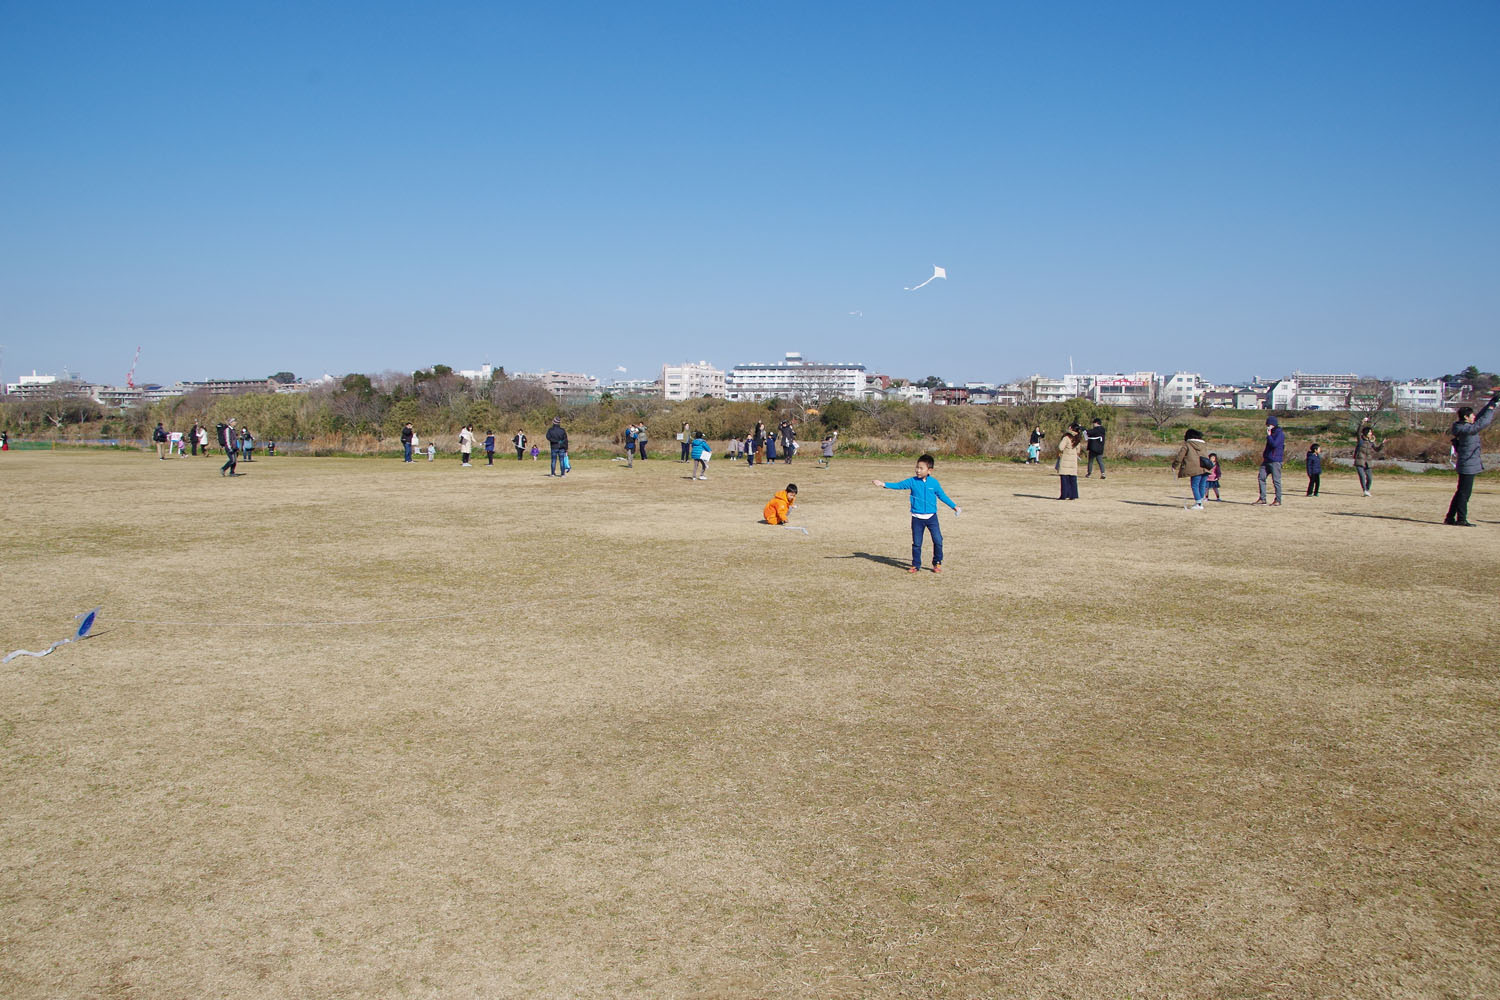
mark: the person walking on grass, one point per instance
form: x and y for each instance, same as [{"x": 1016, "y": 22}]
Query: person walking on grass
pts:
[
  {"x": 1271, "y": 458},
  {"x": 1314, "y": 463},
  {"x": 1192, "y": 462},
  {"x": 925, "y": 492},
  {"x": 830, "y": 441},
  {"x": 1069, "y": 447},
  {"x": 1365, "y": 450},
  {"x": 1095, "y": 438},
  {"x": 1211, "y": 481},
  {"x": 229, "y": 440},
  {"x": 1467, "y": 458},
  {"x": 519, "y": 443},
  {"x": 698, "y": 449},
  {"x": 557, "y": 442}
]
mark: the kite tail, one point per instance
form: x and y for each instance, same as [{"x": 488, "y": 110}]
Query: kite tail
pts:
[{"x": 913, "y": 288}]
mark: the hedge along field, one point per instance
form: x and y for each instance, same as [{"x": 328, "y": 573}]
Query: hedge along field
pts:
[{"x": 608, "y": 736}]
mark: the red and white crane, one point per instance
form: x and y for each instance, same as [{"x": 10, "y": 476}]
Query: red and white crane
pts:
[{"x": 130, "y": 375}]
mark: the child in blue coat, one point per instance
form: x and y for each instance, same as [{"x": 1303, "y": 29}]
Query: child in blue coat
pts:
[
  {"x": 926, "y": 491},
  {"x": 1314, "y": 469}
]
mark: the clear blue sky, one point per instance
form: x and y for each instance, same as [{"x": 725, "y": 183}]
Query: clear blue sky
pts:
[{"x": 1226, "y": 187}]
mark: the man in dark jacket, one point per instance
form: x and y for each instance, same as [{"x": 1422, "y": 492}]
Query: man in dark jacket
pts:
[
  {"x": 407, "y": 433},
  {"x": 557, "y": 441},
  {"x": 1271, "y": 459},
  {"x": 1095, "y": 438},
  {"x": 1467, "y": 457}
]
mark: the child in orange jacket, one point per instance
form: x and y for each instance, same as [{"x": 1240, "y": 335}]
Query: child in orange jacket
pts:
[{"x": 780, "y": 507}]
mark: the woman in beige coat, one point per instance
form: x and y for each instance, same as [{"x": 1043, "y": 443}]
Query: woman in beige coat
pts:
[
  {"x": 1193, "y": 464},
  {"x": 1068, "y": 450}
]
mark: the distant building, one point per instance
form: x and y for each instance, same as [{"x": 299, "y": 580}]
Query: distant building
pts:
[
  {"x": 567, "y": 387},
  {"x": 1183, "y": 388},
  {"x": 950, "y": 395},
  {"x": 1124, "y": 390},
  {"x": 1218, "y": 399},
  {"x": 227, "y": 386},
  {"x": 691, "y": 380},
  {"x": 639, "y": 388},
  {"x": 910, "y": 393},
  {"x": 1417, "y": 395},
  {"x": 484, "y": 373},
  {"x": 794, "y": 378}
]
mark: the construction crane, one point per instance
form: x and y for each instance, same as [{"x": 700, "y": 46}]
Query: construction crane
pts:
[{"x": 130, "y": 375}]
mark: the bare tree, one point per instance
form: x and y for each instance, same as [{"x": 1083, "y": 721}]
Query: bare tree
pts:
[
  {"x": 1158, "y": 408},
  {"x": 1368, "y": 399}
]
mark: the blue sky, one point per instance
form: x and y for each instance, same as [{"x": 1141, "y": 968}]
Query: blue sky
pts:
[{"x": 1236, "y": 189}]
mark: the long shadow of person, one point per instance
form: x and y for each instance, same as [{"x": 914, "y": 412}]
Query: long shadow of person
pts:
[{"x": 884, "y": 560}]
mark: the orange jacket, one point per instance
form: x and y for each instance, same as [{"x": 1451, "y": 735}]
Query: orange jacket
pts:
[{"x": 780, "y": 505}]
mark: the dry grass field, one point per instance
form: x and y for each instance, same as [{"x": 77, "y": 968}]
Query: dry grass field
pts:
[{"x": 1116, "y": 750}]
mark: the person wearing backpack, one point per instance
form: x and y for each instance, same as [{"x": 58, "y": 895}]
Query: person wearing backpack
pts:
[
  {"x": 229, "y": 441},
  {"x": 160, "y": 437}
]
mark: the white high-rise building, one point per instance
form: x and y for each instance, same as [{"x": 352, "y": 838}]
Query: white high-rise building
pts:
[
  {"x": 692, "y": 381},
  {"x": 794, "y": 378}
]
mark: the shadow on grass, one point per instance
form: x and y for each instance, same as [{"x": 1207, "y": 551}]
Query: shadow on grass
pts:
[
  {"x": 871, "y": 557},
  {"x": 1383, "y": 517},
  {"x": 1033, "y": 496},
  {"x": 1152, "y": 503}
]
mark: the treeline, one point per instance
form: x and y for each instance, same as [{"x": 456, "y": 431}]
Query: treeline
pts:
[{"x": 365, "y": 413}]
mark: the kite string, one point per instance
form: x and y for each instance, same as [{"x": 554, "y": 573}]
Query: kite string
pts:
[{"x": 367, "y": 621}]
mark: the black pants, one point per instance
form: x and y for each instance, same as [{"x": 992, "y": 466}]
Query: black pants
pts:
[
  {"x": 1458, "y": 510},
  {"x": 234, "y": 458},
  {"x": 685, "y": 446},
  {"x": 1314, "y": 479},
  {"x": 519, "y": 452},
  {"x": 489, "y": 456}
]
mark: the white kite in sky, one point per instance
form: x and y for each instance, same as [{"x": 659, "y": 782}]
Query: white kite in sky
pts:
[
  {"x": 619, "y": 368},
  {"x": 937, "y": 272}
]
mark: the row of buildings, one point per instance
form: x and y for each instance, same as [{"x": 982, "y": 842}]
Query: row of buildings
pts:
[{"x": 817, "y": 382}]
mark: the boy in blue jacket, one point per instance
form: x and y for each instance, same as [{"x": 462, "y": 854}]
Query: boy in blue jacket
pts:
[
  {"x": 926, "y": 491},
  {"x": 1314, "y": 469}
]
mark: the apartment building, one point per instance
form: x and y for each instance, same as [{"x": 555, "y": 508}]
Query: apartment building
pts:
[
  {"x": 795, "y": 378},
  {"x": 691, "y": 380}
]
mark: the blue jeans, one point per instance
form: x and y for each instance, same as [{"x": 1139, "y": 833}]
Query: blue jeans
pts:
[
  {"x": 1200, "y": 487},
  {"x": 930, "y": 524},
  {"x": 557, "y": 457},
  {"x": 406, "y": 451}
]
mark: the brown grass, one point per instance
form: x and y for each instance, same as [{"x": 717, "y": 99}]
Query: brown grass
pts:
[{"x": 1116, "y": 750}]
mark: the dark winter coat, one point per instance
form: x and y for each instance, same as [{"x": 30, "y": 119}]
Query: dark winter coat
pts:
[{"x": 1466, "y": 439}]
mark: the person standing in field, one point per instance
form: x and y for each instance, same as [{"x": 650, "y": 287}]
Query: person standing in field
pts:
[
  {"x": 630, "y": 446},
  {"x": 771, "y": 448},
  {"x": 685, "y": 436},
  {"x": 1314, "y": 462},
  {"x": 925, "y": 493},
  {"x": 1095, "y": 438},
  {"x": 465, "y": 444},
  {"x": 1365, "y": 449},
  {"x": 557, "y": 441},
  {"x": 788, "y": 442},
  {"x": 1211, "y": 481},
  {"x": 758, "y": 440},
  {"x": 1467, "y": 458},
  {"x": 1271, "y": 458},
  {"x": 489, "y": 447},
  {"x": 229, "y": 440},
  {"x": 698, "y": 449},
  {"x": 203, "y": 439},
  {"x": 640, "y": 440},
  {"x": 193, "y": 439},
  {"x": 519, "y": 441},
  {"x": 407, "y": 437},
  {"x": 1069, "y": 447},
  {"x": 160, "y": 437},
  {"x": 1192, "y": 463}
]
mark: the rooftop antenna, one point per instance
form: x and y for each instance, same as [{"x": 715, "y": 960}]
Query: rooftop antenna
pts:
[{"x": 130, "y": 375}]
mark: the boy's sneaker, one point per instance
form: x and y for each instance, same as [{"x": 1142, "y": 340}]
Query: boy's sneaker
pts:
[
  {"x": 937, "y": 567},
  {"x": 1275, "y": 503},
  {"x": 1197, "y": 506},
  {"x": 1257, "y": 503},
  {"x": 912, "y": 569}
]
